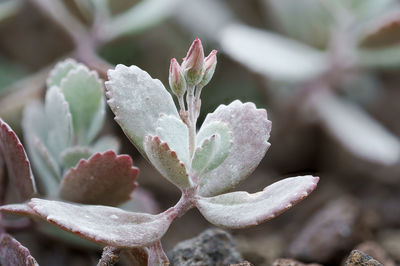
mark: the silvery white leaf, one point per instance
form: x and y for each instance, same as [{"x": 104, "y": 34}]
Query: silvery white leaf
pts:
[
  {"x": 241, "y": 209},
  {"x": 250, "y": 129},
  {"x": 60, "y": 71},
  {"x": 105, "y": 225},
  {"x": 137, "y": 101}
]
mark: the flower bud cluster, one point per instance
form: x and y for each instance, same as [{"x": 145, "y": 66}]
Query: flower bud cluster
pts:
[{"x": 195, "y": 69}]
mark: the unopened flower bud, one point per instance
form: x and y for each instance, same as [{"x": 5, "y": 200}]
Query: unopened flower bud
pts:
[
  {"x": 193, "y": 64},
  {"x": 209, "y": 65},
  {"x": 176, "y": 79}
]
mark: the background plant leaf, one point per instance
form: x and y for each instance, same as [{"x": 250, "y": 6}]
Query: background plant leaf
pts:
[
  {"x": 356, "y": 130},
  {"x": 137, "y": 101},
  {"x": 17, "y": 163},
  {"x": 72, "y": 155},
  {"x": 106, "y": 143},
  {"x": 83, "y": 91},
  {"x": 12, "y": 253},
  {"x": 166, "y": 161},
  {"x": 250, "y": 129},
  {"x": 272, "y": 55},
  {"x": 241, "y": 209},
  {"x": 60, "y": 71},
  {"x": 59, "y": 122},
  {"x": 104, "y": 179},
  {"x": 104, "y": 225}
]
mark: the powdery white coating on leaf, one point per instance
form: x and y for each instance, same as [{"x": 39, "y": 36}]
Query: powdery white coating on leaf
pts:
[
  {"x": 166, "y": 161},
  {"x": 83, "y": 90},
  {"x": 356, "y": 130},
  {"x": 98, "y": 121},
  {"x": 241, "y": 209},
  {"x": 221, "y": 144},
  {"x": 173, "y": 131},
  {"x": 105, "y": 225},
  {"x": 17, "y": 163},
  {"x": 20, "y": 209},
  {"x": 60, "y": 71},
  {"x": 47, "y": 159},
  {"x": 12, "y": 253},
  {"x": 59, "y": 122},
  {"x": 250, "y": 129},
  {"x": 272, "y": 55},
  {"x": 72, "y": 155},
  {"x": 137, "y": 101},
  {"x": 105, "y": 179}
]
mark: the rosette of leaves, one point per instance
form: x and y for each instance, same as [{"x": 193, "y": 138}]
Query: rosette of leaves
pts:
[
  {"x": 203, "y": 164},
  {"x": 60, "y": 137}
]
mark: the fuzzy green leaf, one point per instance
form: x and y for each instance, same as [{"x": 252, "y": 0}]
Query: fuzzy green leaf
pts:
[
  {"x": 106, "y": 143},
  {"x": 166, "y": 161},
  {"x": 137, "y": 101},
  {"x": 84, "y": 93},
  {"x": 105, "y": 179},
  {"x": 104, "y": 225},
  {"x": 60, "y": 71},
  {"x": 17, "y": 163},
  {"x": 71, "y": 156},
  {"x": 241, "y": 209},
  {"x": 250, "y": 129},
  {"x": 59, "y": 122}
]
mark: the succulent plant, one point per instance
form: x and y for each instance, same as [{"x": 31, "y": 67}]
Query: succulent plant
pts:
[{"x": 204, "y": 165}]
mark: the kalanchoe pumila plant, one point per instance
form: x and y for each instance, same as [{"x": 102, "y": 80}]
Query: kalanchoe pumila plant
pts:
[{"x": 204, "y": 165}]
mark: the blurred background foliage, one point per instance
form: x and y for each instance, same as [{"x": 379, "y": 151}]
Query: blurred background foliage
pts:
[{"x": 326, "y": 71}]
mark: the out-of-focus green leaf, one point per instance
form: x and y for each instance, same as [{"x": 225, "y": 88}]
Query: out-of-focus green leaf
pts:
[
  {"x": 71, "y": 156},
  {"x": 9, "y": 73},
  {"x": 60, "y": 71},
  {"x": 141, "y": 16},
  {"x": 59, "y": 122},
  {"x": 272, "y": 55},
  {"x": 106, "y": 143},
  {"x": 83, "y": 91}
]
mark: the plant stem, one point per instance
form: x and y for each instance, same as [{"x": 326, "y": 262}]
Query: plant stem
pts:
[
  {"x": 157, "y": 256},
  {"x": 191, "y": 120},
  {"x": 109, "y": 257}
]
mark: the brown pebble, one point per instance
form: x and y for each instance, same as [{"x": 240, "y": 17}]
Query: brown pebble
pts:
[
  {"x": 359, "y": 258},
  {"x": 376, "y": 251},
  {"x": 290, "y": 262}
]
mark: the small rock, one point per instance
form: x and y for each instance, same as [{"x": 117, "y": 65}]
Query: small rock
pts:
[
  {"x": 376, "y": 251},
  {"x": 359, "y": 258},
  {"x": 212, "y": 247},
  {"x": 330, "y": 232},
  {"x": 290, "y": 262}
]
